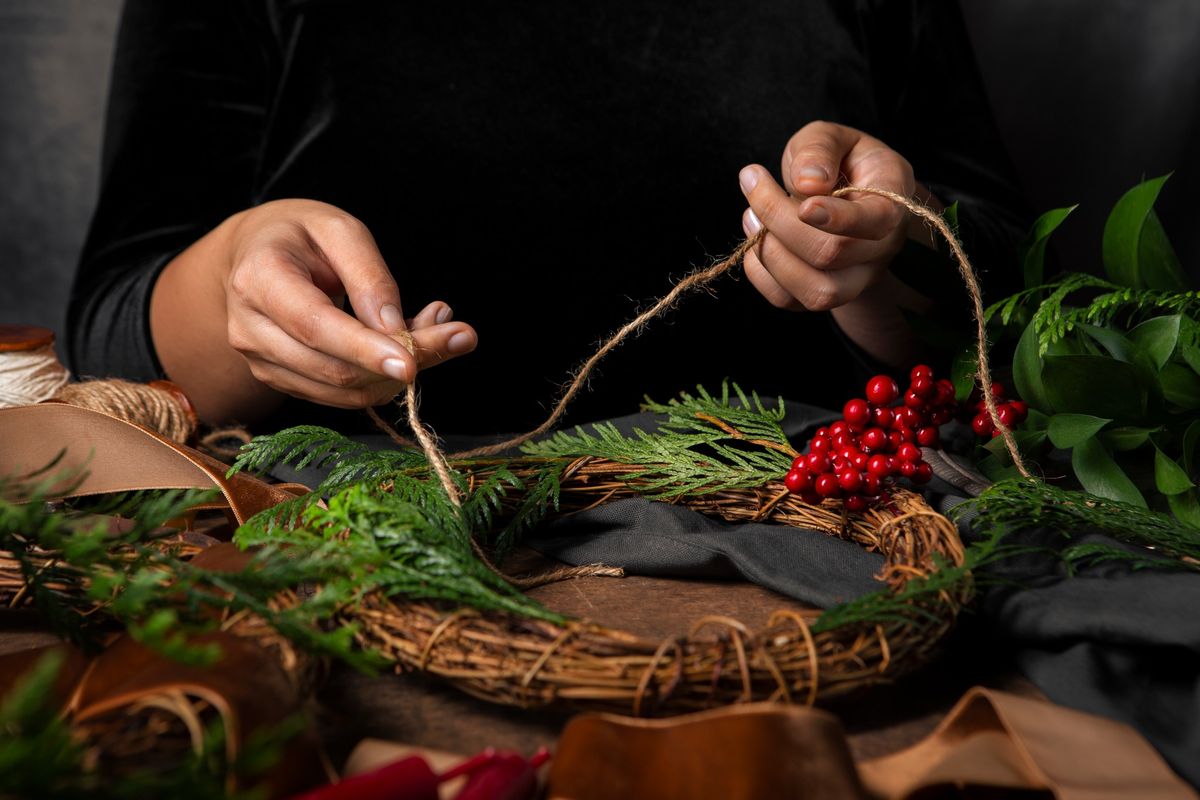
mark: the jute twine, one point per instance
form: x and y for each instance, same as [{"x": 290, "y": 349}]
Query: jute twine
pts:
[
  {"x": 30, "y": 373},
  {"x": 696, "y": 280}
]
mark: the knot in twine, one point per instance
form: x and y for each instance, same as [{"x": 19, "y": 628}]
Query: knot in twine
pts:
[{"x": 699, "y": 279}]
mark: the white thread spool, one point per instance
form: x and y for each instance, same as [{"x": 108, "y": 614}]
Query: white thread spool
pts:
[{"x": 30, "y": 372}]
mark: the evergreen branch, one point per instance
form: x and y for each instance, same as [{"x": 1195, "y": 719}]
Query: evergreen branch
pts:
[{"x": 1018, "y": 504}]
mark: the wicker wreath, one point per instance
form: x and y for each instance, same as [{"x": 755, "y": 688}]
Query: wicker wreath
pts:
[{"x": 797, "y": 657}]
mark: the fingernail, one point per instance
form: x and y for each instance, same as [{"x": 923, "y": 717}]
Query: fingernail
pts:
[
  {"x": 748, "y": 178},
  {"x": 395, "y": 369},
  {"x": 816, "y": 215},
  {"x": 391, "y": 318},
  {"x": 444, "y": 314},
  {"x": 753, "y": 224},
  {"x": 460, "y": 343},
  {"x": 812, "y": 172}
]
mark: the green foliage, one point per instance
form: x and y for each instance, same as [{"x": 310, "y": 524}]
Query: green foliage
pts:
[
  {"x": 1113, "y": 364},
  {"x": 706, "y": 444},
  {"x": 1032, "y": 251},
  {"x": 1136, "y": 250},
  {"x": 1019, "y": 504}
]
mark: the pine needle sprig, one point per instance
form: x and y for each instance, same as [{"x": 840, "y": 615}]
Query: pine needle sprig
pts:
[{"x": 1093, "y": 553}]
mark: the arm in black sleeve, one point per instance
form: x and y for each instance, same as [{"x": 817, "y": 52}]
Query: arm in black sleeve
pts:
[
  {"x": 933, "y": 109},
  {"x": 187, "y": 111}
]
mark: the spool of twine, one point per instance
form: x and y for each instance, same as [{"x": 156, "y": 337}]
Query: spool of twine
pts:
[{"x": 31, "y": 373}]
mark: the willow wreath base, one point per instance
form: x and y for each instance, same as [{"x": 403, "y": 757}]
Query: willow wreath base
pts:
[{"x": 797, "y": 657}]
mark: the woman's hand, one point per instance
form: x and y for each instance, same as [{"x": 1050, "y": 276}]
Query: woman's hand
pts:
[
  {"x": 254, "y": 309},
  {"x": 825, "y": 253}
]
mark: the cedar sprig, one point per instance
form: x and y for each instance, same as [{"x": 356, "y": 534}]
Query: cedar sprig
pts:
[
  {"x": 1054, "y": 318},
  {"x": 1018, "y": 504},
  {"x": 705, "y": 445}
]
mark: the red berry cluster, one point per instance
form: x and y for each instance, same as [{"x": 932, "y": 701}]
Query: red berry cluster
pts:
[
  {"x": 1010, "y": 412},
  {"x": 860, "y": 456}
]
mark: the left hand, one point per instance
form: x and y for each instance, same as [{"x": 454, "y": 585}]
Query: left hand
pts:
[{"x": 822, "y": 252}]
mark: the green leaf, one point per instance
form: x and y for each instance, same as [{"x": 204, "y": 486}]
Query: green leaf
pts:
[
  {"x": 1160, "y": 265},
  {"x": 1126, "y": 437},
  {"x": 1180, "y": 386},
  {"x": 1169, "y": 477},
  {"x": 1027, "y": 370},
  {"x": 1157, "y": 338},
  {"x": 1028, "y": 443},
  {"x": 1186, "y": 508},
  {"x": 1068, "y": 430},
  {"x": 1191, "y": 437},
  {"x": 1191, "y": 356},
  {"x": 1114, "y": 342},
  {"x": 1095, "y": 385},
  {"x": 1032, "y": 250},
  {"x": 1101, "y": 476},
  {"x": 1135, "y": 248},
  {"x": 962, "y": 373}
]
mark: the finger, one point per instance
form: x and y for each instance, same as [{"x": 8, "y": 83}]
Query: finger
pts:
[
  {"x": 435, "y": 313},
  {"x": 780, "y": 214},
  {"x": 261, "y": 340},
  {"x": 297, "y": 385},
  {"x": 349, "y": 249},
  {"x": 439, "y": 343},
  {"x": 766, "y": 284},
  {"x": 867, "y": 216},
  {"x": 812, "y": 160},
  {"x": 286, "y": 295},
  {"x": 815, "y": 289}
]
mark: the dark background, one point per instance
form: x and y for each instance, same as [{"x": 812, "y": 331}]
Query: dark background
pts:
[{"x": 1090, "y": 96}]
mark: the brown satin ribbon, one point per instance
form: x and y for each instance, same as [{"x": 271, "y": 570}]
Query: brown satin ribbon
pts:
[
  {"x": 102, "y": 453},
  {"x": 990, "y": 744}
]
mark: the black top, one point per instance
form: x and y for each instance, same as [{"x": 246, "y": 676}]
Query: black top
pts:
[{"x": 544, "y": 167}]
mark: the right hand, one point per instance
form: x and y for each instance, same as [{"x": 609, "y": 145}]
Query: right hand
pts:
[{"x": 290, "y": 264}]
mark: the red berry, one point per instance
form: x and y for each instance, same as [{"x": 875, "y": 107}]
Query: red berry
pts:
[
  {"x": 882, "y": 416},
  {"x": 818, "y": 463},
  {"x": 928, "y": 437},
  {"x": 873, "y": 438},
  {"x": 822, "y": 433},
  {"x": 923, "y": 387},
  {"x": 997, "y": 390},
  {"x": 879, "y": 466},
  {"x": 850, "y": 481},
  {"x": 982, "y": 425},
  {"x": 838, "y": 427},
  {"x": 800, "y": 462},
  {"x": 811, "y": 497},
  {"x": 856, "y": 412},
  {"x": 820, "y": 444},
  {"x": 908, "y": 452},
  {"x": 839, "y": 464},
  {"x": 911, "y": 417},
  {"x": 859, "y": 461},
  {"x": 797, "y": 481},
  {"x": 940, "y": 416},
  {"x": 907, "y": 435},
  {"x": 923, "y": 474},
  {"x": 1006, "y": 415},
  {"x": 913, "y": 400},
  {"x": 840, "y": 441},
  {"x": 920, "y": 371},
  {"x": 827, "y": 485},
  {"x": 908, "y": 468},
  {"x": 856, "y": 503},
  {"x": 847, "y": 453},
  {"x": 871, "y": 484},
  {"x": 882, "y": 390},
  {"x": 1021, "y": 409},
  {"x": 895, "y": 438}
]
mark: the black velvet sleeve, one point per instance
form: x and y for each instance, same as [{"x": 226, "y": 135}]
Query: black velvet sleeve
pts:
[
  {"x": 933, "y": 110},
  {"x": 188, "y": 105}
]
